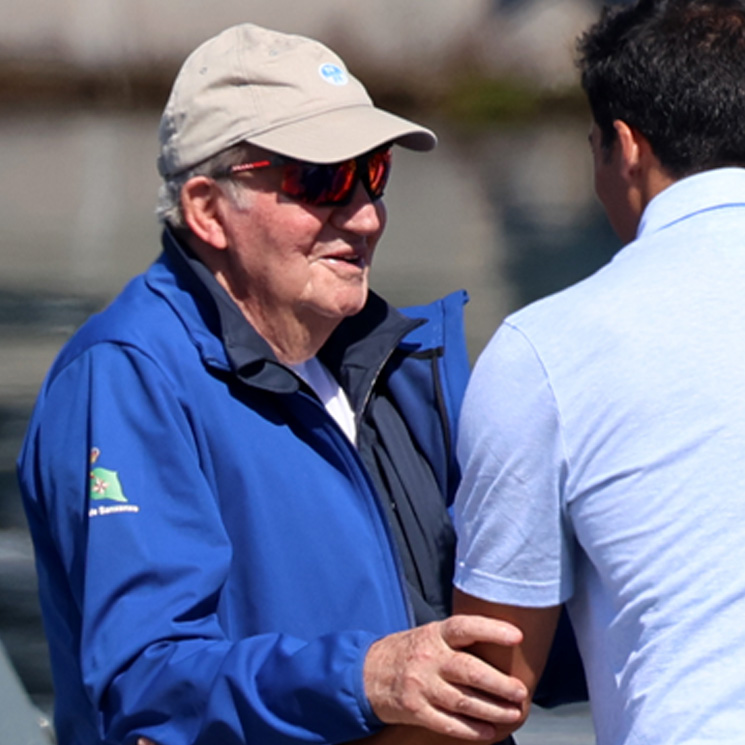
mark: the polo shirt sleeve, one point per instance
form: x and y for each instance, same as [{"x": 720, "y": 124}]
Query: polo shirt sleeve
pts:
[{"x": 514, "y": 543}]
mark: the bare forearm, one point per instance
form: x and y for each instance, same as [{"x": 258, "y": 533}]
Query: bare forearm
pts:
[{"x": 526, "y": 660}]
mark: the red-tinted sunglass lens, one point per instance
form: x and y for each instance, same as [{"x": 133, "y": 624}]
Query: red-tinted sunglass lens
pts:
[
  {"x": 341, "y": 182},
  {"x": 378, "y": 170},
  {"x": 319, "y": 184},
  {"x": 333, "y": 184}
]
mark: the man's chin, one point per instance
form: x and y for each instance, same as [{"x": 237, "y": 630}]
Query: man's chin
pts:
[{"x": 349, "y": 303}]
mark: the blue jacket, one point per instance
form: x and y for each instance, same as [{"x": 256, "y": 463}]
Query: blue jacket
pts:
[{"x": 214, "y": 556}]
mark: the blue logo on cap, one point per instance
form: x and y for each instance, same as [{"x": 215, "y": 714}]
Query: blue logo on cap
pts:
[{"x": 333, "y": 74}]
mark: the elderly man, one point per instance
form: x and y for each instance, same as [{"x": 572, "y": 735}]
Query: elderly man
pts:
[
  {"x": 237, "y": 476},
  {"x": 604, "y": 427}
]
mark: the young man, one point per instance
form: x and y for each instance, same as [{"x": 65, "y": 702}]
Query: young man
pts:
[
  {"x": 237, "y": 476},
  {"x": 603, "y": 429}
]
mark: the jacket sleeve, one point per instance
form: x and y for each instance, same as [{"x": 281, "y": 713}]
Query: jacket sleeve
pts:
[{"x": 138, "y": 530}]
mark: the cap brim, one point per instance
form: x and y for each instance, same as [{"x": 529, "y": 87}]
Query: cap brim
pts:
[{"x": 342, "y": 134}]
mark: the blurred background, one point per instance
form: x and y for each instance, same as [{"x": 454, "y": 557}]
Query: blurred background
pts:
[{"x": 503, "y": 207}]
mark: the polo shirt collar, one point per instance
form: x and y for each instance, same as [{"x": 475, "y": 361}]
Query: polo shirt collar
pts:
[{"x": 708, "y": 190}]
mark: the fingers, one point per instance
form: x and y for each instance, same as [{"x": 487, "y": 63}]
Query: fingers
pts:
[
  {"x": 452, "y": 707},
  {"x": 482, "y": 680},
  {"x": 463, "y": 728},
  {"x": 424, "y": 677},
  {"x": 462, "y": 631},
  {"x": 466, "y": 714}
]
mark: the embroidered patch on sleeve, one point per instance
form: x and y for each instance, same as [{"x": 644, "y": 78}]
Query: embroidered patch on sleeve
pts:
[{"x": 105, "y": 484}]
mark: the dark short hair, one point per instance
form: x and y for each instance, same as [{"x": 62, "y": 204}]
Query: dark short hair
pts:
[{"x": 675, "y": 71}]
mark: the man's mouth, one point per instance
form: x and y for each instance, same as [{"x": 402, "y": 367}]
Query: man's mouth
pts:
[{"x": 347, "y": 259}]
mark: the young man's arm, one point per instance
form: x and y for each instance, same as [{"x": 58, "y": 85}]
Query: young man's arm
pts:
[{"x": 526, "y": 660}]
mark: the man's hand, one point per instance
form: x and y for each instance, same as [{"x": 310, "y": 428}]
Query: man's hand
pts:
[{"x": 425, "y": 677}]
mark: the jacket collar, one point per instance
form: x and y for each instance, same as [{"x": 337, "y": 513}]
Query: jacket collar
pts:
[
  {"x": 361, "y": 345},
  {"x": 355, "y": 353}
]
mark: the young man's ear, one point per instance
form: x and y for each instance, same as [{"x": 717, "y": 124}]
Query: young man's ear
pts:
[
  {"x": 631, "y": 144},
  {"x": 640, "y": 167},
  {"x": 200, "y": 203}
]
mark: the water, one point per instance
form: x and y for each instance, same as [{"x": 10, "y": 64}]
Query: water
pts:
[{"x": 508, "y": 214}]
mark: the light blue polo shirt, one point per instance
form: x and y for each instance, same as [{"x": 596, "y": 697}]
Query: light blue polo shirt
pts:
[{"x": 603, "y": 447}]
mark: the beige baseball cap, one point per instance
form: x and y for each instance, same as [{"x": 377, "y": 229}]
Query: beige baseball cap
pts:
[{"x": 285, "y": 93}]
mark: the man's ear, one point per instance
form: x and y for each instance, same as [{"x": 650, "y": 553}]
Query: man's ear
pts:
[
  {"x": 640, "y": 167},
  {"x": 632, "y": 147},
  {"x": 200, "y": 203}
]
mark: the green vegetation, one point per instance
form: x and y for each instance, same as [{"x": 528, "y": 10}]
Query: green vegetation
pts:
[
  {"x": 482, "y": 100},
  {"x": 472, "y": 101}
]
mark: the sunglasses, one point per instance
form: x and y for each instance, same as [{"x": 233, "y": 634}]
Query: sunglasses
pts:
[{"x": 326, "y": 184}]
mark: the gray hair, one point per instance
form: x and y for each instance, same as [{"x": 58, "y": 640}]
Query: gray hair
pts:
[{"x": 169, "y": 209}]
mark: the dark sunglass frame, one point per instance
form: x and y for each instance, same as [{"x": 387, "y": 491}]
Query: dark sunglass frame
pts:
[{"x": 325, "y": 184}]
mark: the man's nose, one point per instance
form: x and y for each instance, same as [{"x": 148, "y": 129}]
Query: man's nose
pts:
[{"x": 362, "y": 214}]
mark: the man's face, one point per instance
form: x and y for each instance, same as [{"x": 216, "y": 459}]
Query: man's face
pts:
[
  {"x": 612, "y": 189},
  {"x": 292, "y": 265}
]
